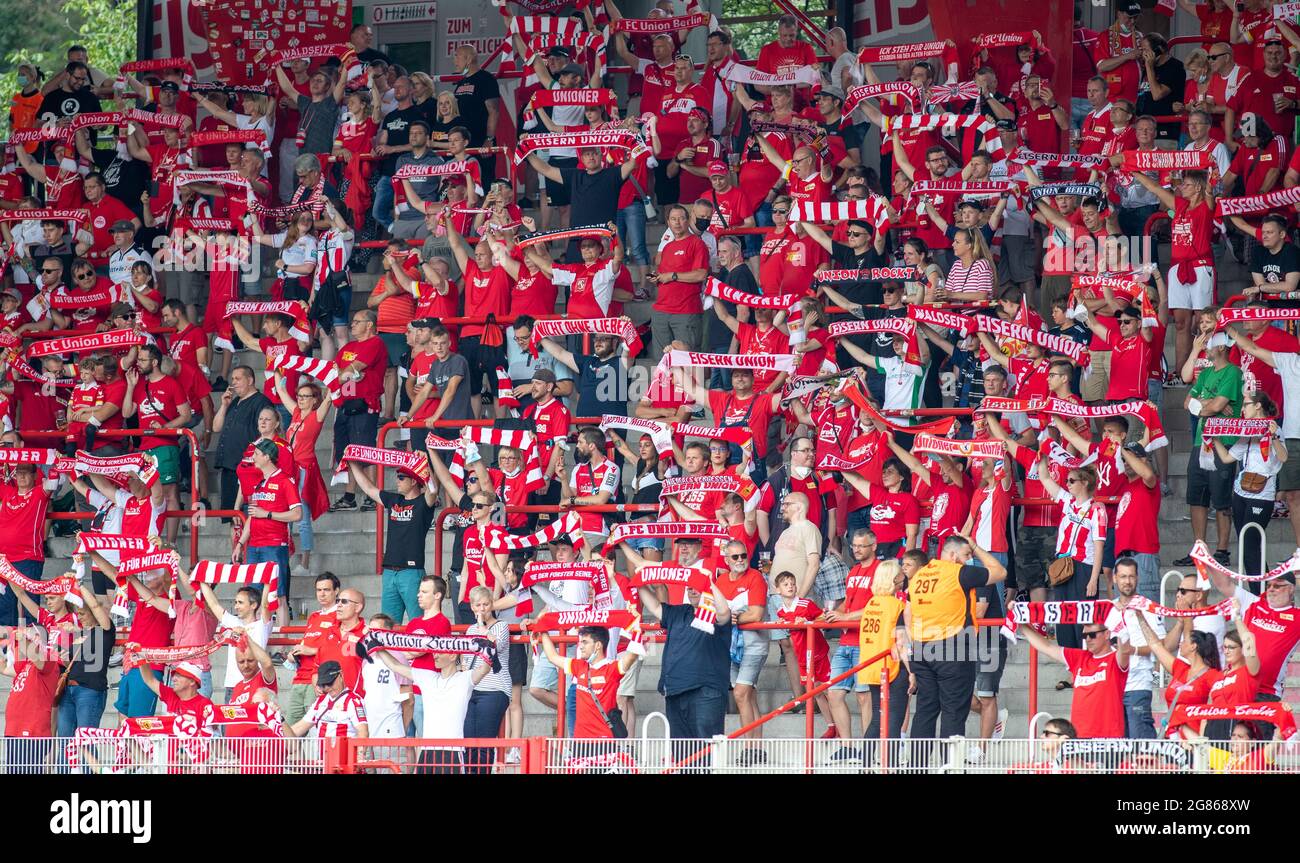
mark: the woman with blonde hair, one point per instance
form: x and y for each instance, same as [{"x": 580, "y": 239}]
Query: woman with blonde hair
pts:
[
  {"x": 423, "y": 94},
  {"x": 258, "y": 113},
  {"x": 444, "y": 117},
  {"x": 491, "y": 698},
  {"x": 973, "y": 272},
  {"x": 1197, "y": 67},
  {"x": 883, "y": 626}
]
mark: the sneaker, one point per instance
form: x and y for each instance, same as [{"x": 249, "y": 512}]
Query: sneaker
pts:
[
  {"x": 1001, "y": 725},
  {"x": 347, "y": 503},
  {"x": 751, "y": 756},
  {"x": 1222, "y": 555},
  {"x": 1166, "y": 490},
  {"x": 830, "y": 733},
  {"x": 798, "y": 708},
  {"x": 847, "y": 753},
  {"x": 974, "y": 755},
  {"x": 512, "y": 755},
  {"x": 1281, "y": 509},
  {"x": 1184, "y": 561},
  {"x": 367, "y": 505},
  {"x": 115, "y": 660},
  {"x": 219, "y": 385}
]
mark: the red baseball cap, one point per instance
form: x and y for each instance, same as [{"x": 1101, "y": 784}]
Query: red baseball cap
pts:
[{"x": 718, "y": 168}]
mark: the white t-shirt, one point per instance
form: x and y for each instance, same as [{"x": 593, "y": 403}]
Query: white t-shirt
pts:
[
  {"x": 259, "y": 630},
  {"x": 302, "y": 251},
  {"x": 1124, "y": 626},
  {"x": 384, "y": 697},
  {"x": 445, "y": 701},
  {"x": 904, "y": 383},
  {"x": 112, "y": 520},
  {"x": 1288, "y": 369}
]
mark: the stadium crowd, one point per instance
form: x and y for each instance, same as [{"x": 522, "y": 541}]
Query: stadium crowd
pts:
[{"x": 849, "y": 240}]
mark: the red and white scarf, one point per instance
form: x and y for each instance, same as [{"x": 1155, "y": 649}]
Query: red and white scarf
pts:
[
  {"x": 743, "y": 74},
  {"x": 739, "y": 435},
  {"x": 1233, "y": 427},
  {"x": 1142, "y": 603},
  {"x": 1258, "y": 711},
  {"x": 1283, "y": 199},
  {"x": 584, "y": 96},
  {"x": 78, "y": 216},
  {"x": 27, "y": 455},
  {"x": 873, "y": 210},
  {"x": 525, "y": 442},
  {"x": 230, "y": 136},
  {"x": 265, "y": 713},
  {"x": 1145, "y": 412},
  {"x": 86, "y": 343},
  {"x": 1236, "y": 315},
  {"x": 706, "y": 614},
  {"x": 915, "y": 51},
  {"x": 1005, "y": 40},
  {"x": 99, "y": 299},
  {"x": 715, "y": 288},
  {"x": 296, "y": 309},
  {"x": 536, "y": 573},
  {"x": 862, "y": 92},
  {"x": 706, "y": 531},
  {"x": 673, "y": 486},
  {"x": 966, "y": 188},
  {"x": 871, "y": 274},
  {"x": 663, "y": 25},
  {"x": 1066, "y": 613},
  {"x": 961, "y": 91},
  {"x": 208, "y": 572},
  {"x": 566, "y": 525},
  {"x": 1205, "y": 563},
  {"x": 853, "y": 392},
  {"x": 88, "y": 542},
  {"x": 660, "y": 436},
  {"x": 611, "y": 140},
  {"x": 561, "y": 621},
  {"x": 133, "y": 655},
  {"x": 64, "y": 585},
  {"x": 949, "y": 124},
  {"x": 165, "y": 560},
  {"x": 958, "y": 448},
  {"x": 1021, "y": 333},
  {"x": 624, "y": 329},
  {"x": 1166, "y": 160},
  {"x": 414, "y": 463},
  {"x": 322, "y": 370},
  {"x": 941, "y": 318},
  {"x": 117, "y": 467},
  {"x": 767, "y": 362}
]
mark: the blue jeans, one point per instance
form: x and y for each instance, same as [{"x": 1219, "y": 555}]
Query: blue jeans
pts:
[
  {"x": 1138, "y": 724},
  {"x": 9, "y": 601},
  {"x": 80, "y": 707},
  {"x": 306, "y": 538},
  {"x": 695, "y": 713},
  {"x": 631, "y": 231},
  {"x": 382, "y": 209},
  {"x": 720, "y": 379},
  {"x": 571, "y": 706},
  {"x": 400, "y": 587},
  {"x": 1148, "y": 575},
  {"x": 278, "y": 554},
  {"x": 134, "y": 698},
  {"x": 762, "y": 219},
  {"x": 1079, "y": 109}
]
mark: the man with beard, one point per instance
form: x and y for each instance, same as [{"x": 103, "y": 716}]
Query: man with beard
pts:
[{"x": 601, "y": 376}]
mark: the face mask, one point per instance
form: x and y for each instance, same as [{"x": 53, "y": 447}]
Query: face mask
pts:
[
  {"x": 799, "y": 472},
  {"x": 22, "y": 80},
  {"x": 701, "y": 225}
]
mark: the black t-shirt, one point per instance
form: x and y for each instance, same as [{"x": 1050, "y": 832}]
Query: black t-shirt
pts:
[
  {"x": 864, "y": 293},
  {"x": 594, "y": 196},
  {"x": 740, "y": 277},
  {"x": 1172, "y": 75},
  {"x": 90, "y": 669},
  {"x": 602, "y": 385},
  {"x": 408, "y": 525},
  {"x": 693, "y": 658},
  {"x": 61, "y": 103},
  {"x": 125, "y": 179},
  {"x": 370, "y": 55},
  {"x": 472, "y": 94},
  {"x": 397, "y": 125},
  {"x": 1274, "y": 266},
  {"x": 316, "y": 122}
]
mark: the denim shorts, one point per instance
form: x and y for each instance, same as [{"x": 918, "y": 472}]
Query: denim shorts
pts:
[
  {"x": 640, "y": 543},
  {"x": 745, "y": 673},
  {"x": 345, "y": 297},
  {"x": 773, "y": 606},
  {"x": 842, "y": 660}
]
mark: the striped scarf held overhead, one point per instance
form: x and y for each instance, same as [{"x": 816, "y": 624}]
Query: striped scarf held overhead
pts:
[
  {"x": 133, "y": 655},
  {"x": 536, "y": 573},
  {"x": 958, "y": 448},
  {"x": 296, "y": 309},
  {"x": 623, "y": 328},
  {"x": 857, "y": 95},
  {"x": 706, "y": 613},
  {"x": 962, "y": 91},
  {"x": 1205, "y": 564},
  {"x": 208, "y": 572},
  {"x": 948, "y": 124},
  {"x": 1065, "y": 613},
  {"x": 873, "y": 210},
  {"x": 1145, "y": 411},
  {"x": 705, "y": 531},
  {"x": 523, "y": 441},
  {"x": 64, "y": 585},
  {"x": 660, "y": 436},
  {"x": 567, "y": 525},
  {"x": 322, "y": 370}
]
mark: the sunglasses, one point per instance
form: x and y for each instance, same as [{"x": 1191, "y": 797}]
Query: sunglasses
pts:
[
  {"x": 737, "y": 557},
  {"x": 1215, "y": 56},
  {"x": 1051, "y": 734},
  {"x": 857, "y": 233},
  {"x": 481, "y": 506},
  {"x": 1094, "y": 634},
  {"x": 1073, "y": 481},
  {"x": 1185, "y": 590},
  {"x": 776, "y": 212},
  {"x": 46, "y": 270},
  {"x": 84, "y": 276}
]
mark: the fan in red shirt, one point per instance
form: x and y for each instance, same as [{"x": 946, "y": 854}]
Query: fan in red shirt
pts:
[
  {"x": 181, "y": 695},
  {"x": 695, "y": 153},
  {"x": 799, "y": 264},
  {"x": 1117, "y": 54},
  {"x": 858, "y": 593},
  {"x": 104, "y": 210},
  {"x": 1271, "y": 92},
  {"x": 340, "y": 641},
  {"x": 273, "y": 505},
  {"x": 895, "y": 513},
  {"x": 771, "y": 254},
  {"x": 682, "y": 266},
  {"x": 812, "y": 652},
  {"x": 597, "y": 677},
  {"x": 164, "y": 160},
  {"x": 1261, "y": 159},
  {"x": 1040, "y": 119},
  {"x": 257, "y": 686},
  {"x": 1259, "y": 376},
  {"x": 1099, "y": 673},
  {"x": 35, "y": 674},
  {"x": 552, "y": 419},
  {"x": 1130, "y": 359},
  {"x": 733, "y": 207}
]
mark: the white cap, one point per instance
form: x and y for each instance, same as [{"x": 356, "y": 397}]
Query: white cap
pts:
[{"x": 1220, "y": 340}]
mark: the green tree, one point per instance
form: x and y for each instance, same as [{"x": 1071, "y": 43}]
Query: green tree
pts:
[
  {"x": 749, "y": 38},
  {"x": 41, "y": 31}
]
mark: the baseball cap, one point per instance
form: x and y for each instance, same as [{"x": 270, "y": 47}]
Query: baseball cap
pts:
[
  {"x": 122, "y": 225},
  {"x": 559, "y": 51},
  {"x": 832, "y": 91},
  {"x": 1289, "y": 578},
  {"x": 1005, "y": 125},
  {"x": 1133, "y": 9},
  {"x": 327, "y": 672},
  {"x": 562, "y": 539},
  {"x": 120, "y": 310},
  {"x": 12, "y": 292},
  {"x": 571, "y": 69},
  {"x": 170, "y": 85},
  {"x": 544, "y": 375},
  {"x": 718, "y": 168}
]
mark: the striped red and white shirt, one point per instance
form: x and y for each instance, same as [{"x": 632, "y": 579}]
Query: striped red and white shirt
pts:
[
  {"x": 333, "y": 715},
  {"x": 976, "y": 279},
  {"x": 1082, "y": 524}
]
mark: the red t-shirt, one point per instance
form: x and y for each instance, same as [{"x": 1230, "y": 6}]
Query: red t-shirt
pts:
[
  {"x": 674, "y": 107},
  {"x": 771, "y": 259},
  {"x": 950, "y": 507},
  {"x": 732, "y": 208},
  {"x": 751, "y": 583},
  {"x": 693, "y": 187},
  {"x": 1040, "y": 515},
  {"x": 278, "y": 351},
  {"x": 807, "y": 190},
  {"x": 102, "y": 216},
  {"x": 1257, "y": 26},
  {"x": 1196, "y": 692},
  {"x": 1095, "y": 132},
  {"x": 991, "y": 505},
  {"x": 836, "y": 425},
  {"x": 1122, "y": 81},
  {"x": 891, "y": 513},
  {"x": 803, "y": 255},
  {"x": 681, "y": 256},
  {"x": 1252, "y": 164},
  {"x": 533, "y": 294},
  {"x": 318, "y": 624},
  {"x": 22, "y": 530},
  {"x": 513, "y": 491},
  {"x": 140, "y": 517},
  {"x": 780, "y": 61},
  {"x": 595, "y": 683},
  {"x": 31, "y": 698},
  {"x": 200, "y": 707},
  {"x": 476, "y": 572},
  {"x": 729, "y": 410},
  {"x": 486, "y": 293},
  {"x": 1038, "y": 129},
  {"x": 553, "y": 422},
  {"x": 1098, "y": 706},
  {"x": 1235, "y": 686},
  {"x": 821, "y": 666},
  {"x": 1191, "y": 230},
  {"x": 1277, "y": 630},
  {"x": 341, "y": 646},
  {"x": 857, "y": 586},
  {"x": 1130, "y": 368},
  {"x": 1256, "y": 96},
  {"x": 372, "y": 354},
  {"x": 754, "y": 341},
  {"x": 437, "y": 626},
  {"x": 275, "y": 493},
  {"x": 150, "y": 627},
  {"x": 158, "y": 403},
  {"x": 1136, "y": 514}
]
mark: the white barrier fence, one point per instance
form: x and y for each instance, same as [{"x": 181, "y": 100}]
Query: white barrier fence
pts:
[{"x": 142, "y": 754}]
